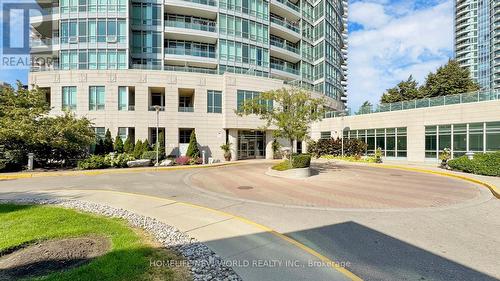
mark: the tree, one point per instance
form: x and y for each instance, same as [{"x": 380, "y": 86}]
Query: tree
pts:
[
  {"x": 405, "y": 90},
  {"x": 366, "y": 107},
  {"x": 99, "y": 147},
  {"x": 450, "y": 79},
  {"x": 108, "y": 142},
  {"x": 118, "y": 145},
  {"x": 146, "y": 146},
  {"x": 161, "y": 142},
  {"x": 26, "y": 127},
  {"x": 128, "y": 146},
  {"x": 193, "y": 150},
  {"x": 138, "y": 149},
  {"x": 292, "y": 115}
]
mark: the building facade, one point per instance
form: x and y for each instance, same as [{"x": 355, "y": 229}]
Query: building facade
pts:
[
  {"x": 477, "y": 40},
  {"x": 116, "y": 62},
  {"x": 418, "y": 130}
]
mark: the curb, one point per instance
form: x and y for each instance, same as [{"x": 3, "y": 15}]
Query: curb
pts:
[
  {"x": 15, "y": 176},
  {"x": 330, "y": 263},
  {"x": 493, "y": 189}
]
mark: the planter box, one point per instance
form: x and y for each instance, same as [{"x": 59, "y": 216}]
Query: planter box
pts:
[{"x": 298, "y": 173}]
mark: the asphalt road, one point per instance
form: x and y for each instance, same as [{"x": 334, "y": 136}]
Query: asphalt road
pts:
[{"x": 456, "y": 238}]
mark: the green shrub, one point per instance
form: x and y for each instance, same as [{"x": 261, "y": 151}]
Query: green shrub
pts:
[
  {"x": 193, "y": 150},
  {"x": 356, "y": 158},
  {"x": 150, "y": 155},
  {"x": 118, "y": 145},
  {"x": 108, "y": 142},
  {"x": 93, "y": 162},
  {"x": 118, "y": 160},
  {"x": 282, "y": 166},
  {"x": 138, "y": 149},
  {"x": 352, "y": 147},
  {"x": 128, "y": 146},
  {"x": 487, "y": 164},
  {"x": 301, "y": 161}
]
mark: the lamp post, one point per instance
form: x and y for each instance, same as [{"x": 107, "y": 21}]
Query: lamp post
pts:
[
  {"x": 342, "y": 114},
  {"x": 157, "y": 109}
]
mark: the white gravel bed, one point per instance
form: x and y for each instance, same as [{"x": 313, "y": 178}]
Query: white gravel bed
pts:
[{"x": 204, "y": 263}]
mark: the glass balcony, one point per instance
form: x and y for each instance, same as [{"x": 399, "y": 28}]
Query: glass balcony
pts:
[
  {"x": 203, "y": 2},
  {"x": 431, "y": 102},
  {"x": 196, "y": 26},
  {"x": 285, "y": 45},
  {"x": 285, "y": 24},
  {"x": 289, "y": 4},
  {"x": 186, "y": 109},
  {"x": 190, "y": 52},
  {"x": 190, "y": 69},
  {"x": 285, "y": 68}
]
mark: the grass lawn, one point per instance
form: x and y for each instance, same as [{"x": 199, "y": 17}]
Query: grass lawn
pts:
[{"x": 128, "y": 259}]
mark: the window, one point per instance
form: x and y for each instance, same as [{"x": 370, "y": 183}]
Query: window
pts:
[
  {"x": 326, "y": 135},
  {"x": 122, "y": 133},
  {"x": 244, "y": 96},
  {"x": 459, "y": 139},
  {"x": 444, "y": 137},
  {"x": 100, "y": 133},
  {"x": 430, "y": 141},
  {"x": 185, "y": 135},
  {"x": 493, "y": 136},
  {"x": 69, "y": 98},
  {"x": 401, "y": 139},
  {"x": 214, "y": 101},
  {"x": 122, "y": 99},
  {"x": 96, "y": 97},
  {"x": 476, "y": 133}
]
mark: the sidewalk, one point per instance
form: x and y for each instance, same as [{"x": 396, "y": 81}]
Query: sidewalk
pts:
[{"x": 254, "y": 251}]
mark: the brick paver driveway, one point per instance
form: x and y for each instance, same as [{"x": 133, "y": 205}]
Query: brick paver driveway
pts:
[{"x": 336, "y": 185}]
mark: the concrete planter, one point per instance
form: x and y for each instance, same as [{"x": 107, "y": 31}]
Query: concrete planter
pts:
[{"x": 298, "y": 173}]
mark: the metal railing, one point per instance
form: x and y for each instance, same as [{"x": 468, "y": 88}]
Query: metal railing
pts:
[
  {"x": 203, "y": 2},
  {"x": 46, "y": 42},
  {"x": 211, "y": 27},
  {"x": 285, "y": 24},
  {"x": 290, "y": 4},
  {"x": 189, "y": 52},
  {"x": 285, "y": 46}
]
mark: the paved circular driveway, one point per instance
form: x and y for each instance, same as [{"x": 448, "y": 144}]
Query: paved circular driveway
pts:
[{"x": 336, "y": 185}]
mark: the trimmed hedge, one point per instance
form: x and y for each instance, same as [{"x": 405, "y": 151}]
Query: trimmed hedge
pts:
[
  {"x": 352, "y": 147},
  {"x": 301, "y": 161},
  {"x": 282, "y": 166},
  {"x": 487, "y": 164}
]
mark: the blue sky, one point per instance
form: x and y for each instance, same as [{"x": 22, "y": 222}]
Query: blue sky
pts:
[{"x": 388, "y": 41}]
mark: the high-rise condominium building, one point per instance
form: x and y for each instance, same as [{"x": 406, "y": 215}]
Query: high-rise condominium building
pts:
[
  {"x": 477, "y": 40},
  {"x": 117, "y": 61}
]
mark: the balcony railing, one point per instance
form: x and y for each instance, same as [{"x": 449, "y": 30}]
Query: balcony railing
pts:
[
  {"x": 190, "y": 69},
  {"x": 47, "y": 42},
  {"x": 285, "y": 68},
  {"x": 203, "y": 2},
  {"x": 285, "y": 24},
  {"x": 196, "y": 26},
  {"x": 190, "y": 52},
  {"x": 426, "y": 103},
  {"x": 285, "y": 46},
  {"x": 290, "y": 4},
  {"x": 146, "y": 66},
  {"x": 186, "y": 109}
]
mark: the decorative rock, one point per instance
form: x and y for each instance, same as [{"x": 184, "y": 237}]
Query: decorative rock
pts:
[
  {"x": 203, "y": 262},
  {"x": 166, "y": 162},
  {"x": 139, "y": 163}
]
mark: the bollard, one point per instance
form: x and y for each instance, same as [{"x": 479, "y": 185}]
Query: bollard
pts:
[
  {"x": 30, "y": 161},
  {"x": 203, "y": 156},
  {"x": 470, "y": 155}
]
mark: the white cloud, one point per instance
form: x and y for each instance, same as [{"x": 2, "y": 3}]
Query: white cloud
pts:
[{"x": 392, "y": 45}]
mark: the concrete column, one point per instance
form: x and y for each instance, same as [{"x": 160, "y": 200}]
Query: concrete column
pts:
[
  {"x": 233, "y": 140},
  {"x": 269, "y": 145}
]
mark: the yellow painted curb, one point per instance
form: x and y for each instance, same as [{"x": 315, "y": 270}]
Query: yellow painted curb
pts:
[
  {"x": 494, "y": 190},
  {"x": 288, "y": 239},
  {"x": 108, "y": 171}
]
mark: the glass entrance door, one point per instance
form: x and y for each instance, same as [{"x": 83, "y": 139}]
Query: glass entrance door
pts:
[{"x": 251, "y": 145}]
